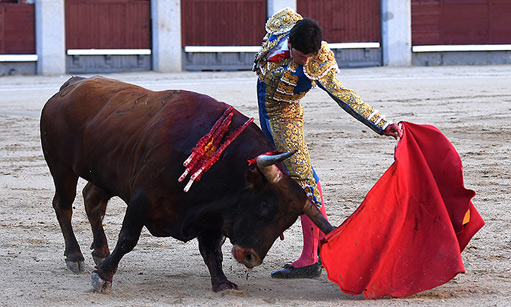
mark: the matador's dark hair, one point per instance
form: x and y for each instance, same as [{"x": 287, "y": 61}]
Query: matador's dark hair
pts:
[{"x": 306, "y": 36}]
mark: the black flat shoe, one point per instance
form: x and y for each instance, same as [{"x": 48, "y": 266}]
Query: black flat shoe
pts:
[{"x": 289, "y": 271}]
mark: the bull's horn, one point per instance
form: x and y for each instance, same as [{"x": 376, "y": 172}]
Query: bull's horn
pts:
[
  {"x": 266, "y": 164},
  {"x": 316, "y": 217}
]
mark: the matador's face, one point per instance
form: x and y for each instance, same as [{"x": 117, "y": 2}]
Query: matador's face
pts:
[{"x": 299, "y": 57}]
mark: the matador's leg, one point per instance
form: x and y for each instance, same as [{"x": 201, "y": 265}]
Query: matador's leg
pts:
[{"x": 287, "y": 134}]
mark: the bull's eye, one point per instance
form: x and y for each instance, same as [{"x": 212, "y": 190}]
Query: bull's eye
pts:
[
  {"x": 266, "y": 210},
  {"x": 263, "y": 213}
]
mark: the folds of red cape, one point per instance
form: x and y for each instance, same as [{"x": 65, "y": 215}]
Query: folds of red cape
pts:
[{"x": 408, "y": 234}]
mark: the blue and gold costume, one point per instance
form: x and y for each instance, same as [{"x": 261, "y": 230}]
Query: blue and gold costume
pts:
[{"x": 283, "y": 83}]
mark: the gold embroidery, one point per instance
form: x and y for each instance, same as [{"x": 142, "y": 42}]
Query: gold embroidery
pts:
[
  {"x": 321, "y": 64},
  {"x": 282, "y": 21},
  {"x": 279, "y": 25},
  {"x": 290, "y": 79},
  {"x": 292, "y": 66},
  {"x": 285, "y": 89},
  {"x": 278, "y": 96}
]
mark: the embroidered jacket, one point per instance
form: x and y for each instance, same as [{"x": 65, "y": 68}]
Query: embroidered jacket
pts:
[{"x": 289, "y": 81}]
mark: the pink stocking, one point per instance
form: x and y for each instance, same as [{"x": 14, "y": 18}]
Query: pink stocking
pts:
[{"x": 311, "y": 237}]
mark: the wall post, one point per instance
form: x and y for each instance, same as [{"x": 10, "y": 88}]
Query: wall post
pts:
[
  {"x": 396, "y": 27},
  {"x": 273, "y": 6},
  {"x": 50, "y": 37},
  {"x": 166, "y": 30}
]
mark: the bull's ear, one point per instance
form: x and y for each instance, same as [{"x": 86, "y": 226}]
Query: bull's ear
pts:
[{"x": 254, "y": 177}]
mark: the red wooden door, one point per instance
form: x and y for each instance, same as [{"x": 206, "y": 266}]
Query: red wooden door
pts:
[
  {"x": 108, "y": 24},
  {"x": 223, "y": 22},
  {"x": 17, "y": 28},
  {"x": 345, "y": 21},
  {"x": 461, "y": 22}
]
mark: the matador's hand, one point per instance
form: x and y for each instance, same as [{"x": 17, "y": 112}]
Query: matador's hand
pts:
[{"x": 393, "y": 130}]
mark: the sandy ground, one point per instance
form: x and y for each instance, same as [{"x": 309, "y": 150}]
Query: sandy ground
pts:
[{"x": 470, "y": 105}]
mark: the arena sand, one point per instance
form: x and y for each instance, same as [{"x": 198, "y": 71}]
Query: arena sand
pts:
[{"x": 471, "y": 105}]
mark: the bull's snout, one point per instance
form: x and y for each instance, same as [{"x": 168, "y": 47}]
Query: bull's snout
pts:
[{"x": 246, "y": 256}]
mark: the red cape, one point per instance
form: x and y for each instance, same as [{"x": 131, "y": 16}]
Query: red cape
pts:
[{"x": 408, "y": 234}]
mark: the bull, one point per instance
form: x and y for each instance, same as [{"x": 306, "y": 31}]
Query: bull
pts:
[{"x": 130, "y": 142}]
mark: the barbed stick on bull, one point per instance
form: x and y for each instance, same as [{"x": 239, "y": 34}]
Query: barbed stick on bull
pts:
[{"x": 210, "y": 147}]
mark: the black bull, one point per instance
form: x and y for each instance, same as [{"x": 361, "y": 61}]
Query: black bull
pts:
[{"x": 131, "y": 142}]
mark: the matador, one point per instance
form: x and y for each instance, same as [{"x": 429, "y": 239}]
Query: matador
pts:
[{"x": 292, "y": 60}]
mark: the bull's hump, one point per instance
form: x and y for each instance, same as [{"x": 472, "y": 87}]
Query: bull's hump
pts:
[
  {"x": 68, "y": 85},
  {"x": 105, "y": 97},
  {"x": 123, "y": 97},
  {"x": 100, "y": 101}
]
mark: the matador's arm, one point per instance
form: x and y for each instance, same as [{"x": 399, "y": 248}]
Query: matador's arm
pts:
[
  {"x": 322, "y": 69},
  {"x": 351, "y": 102}
]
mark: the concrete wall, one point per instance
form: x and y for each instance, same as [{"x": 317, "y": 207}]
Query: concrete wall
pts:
[
  {"x": 166, "y": 25},
  {"x": 396, "y": 19},
  {"x": 441, "y": 58},
  {"x": 273, "y": 6}
]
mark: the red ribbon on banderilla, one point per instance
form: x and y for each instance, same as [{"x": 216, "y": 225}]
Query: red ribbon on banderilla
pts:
[{"x": 209, "y": 148}]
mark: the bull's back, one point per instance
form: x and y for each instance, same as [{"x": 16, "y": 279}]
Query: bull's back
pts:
[
  {"x": 84, "y": 111},
  {"x": 95, "y": 100},
  {"x": 106, "y": 130},
  {"x": 100, "y": 108}
]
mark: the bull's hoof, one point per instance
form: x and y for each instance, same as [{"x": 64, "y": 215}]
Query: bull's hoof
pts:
[
  {"x": 99, "y": 285},
  {"x": 76, "y": 267},
  {"x": 227, "y": 285}
]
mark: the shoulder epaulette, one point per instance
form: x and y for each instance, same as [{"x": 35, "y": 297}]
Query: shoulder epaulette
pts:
[
  {"x": 282, "y": 21},
  {"x": 321, "y": 63}
]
